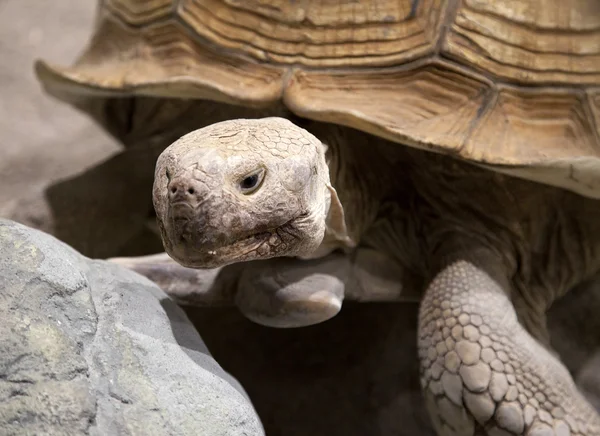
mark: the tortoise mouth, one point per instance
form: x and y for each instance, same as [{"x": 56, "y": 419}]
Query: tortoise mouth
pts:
[
  {"x": 246, "y": 248},
  {"x": 278, "y": 241}
]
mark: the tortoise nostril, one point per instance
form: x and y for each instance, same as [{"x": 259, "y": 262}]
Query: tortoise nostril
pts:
[{"x": 182, "y": 189}]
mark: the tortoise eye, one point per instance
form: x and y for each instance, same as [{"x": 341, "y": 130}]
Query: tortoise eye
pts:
[{"x": 252, "y": 182}]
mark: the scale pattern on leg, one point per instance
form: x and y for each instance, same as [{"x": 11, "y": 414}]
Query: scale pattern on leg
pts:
[{"x": 482, "y": 373}]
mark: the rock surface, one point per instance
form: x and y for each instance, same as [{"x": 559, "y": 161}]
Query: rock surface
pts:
[{"x": 89, "y": 348}]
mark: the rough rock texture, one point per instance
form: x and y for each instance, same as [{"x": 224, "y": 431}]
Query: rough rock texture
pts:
[{"x": 87, "y": 347}]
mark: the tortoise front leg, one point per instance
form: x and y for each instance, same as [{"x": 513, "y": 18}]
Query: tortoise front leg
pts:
[
  {"x": 482, "y": 373},
  {"x": 187, "y": 286},
  {"x": 287, "y": 292},
  {"x": 279, "y": 292}
]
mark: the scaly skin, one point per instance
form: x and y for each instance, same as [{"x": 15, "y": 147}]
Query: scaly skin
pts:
[
  {"x": 492, "y": 252},
  {"x": 477, "y": 358},
  {"x": 283, "y": 291},
  {"x": 209, "y": 214}
]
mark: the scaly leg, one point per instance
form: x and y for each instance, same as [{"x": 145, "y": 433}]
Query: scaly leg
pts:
[
  {"x": 279, "y": 292},
  {"x": 187, "y": 286},
  {"x": 482, "y": 373},
  {"x": 286, "y": 292}
]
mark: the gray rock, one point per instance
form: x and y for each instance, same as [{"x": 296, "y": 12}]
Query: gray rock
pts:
[{"x": 89, "y": 348}]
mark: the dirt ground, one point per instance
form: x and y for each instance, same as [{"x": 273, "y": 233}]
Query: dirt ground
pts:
[
  {"x": 354, "y": 375},
  {"x": 42, "y": 140}
]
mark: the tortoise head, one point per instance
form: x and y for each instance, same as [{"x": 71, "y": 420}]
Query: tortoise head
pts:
[{"x": 241, "y": 190}]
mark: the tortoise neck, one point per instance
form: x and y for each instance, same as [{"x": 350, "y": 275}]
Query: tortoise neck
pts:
[{"x": 348, "y": 164}]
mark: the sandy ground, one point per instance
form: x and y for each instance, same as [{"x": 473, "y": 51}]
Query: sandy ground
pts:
[{"x": 42, "y": 140}]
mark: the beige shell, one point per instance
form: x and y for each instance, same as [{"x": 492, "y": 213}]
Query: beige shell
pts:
[{"x": 513, "y": 85}]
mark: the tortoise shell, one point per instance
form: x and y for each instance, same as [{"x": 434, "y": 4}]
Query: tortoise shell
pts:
[{"x": 512, "y": 85}]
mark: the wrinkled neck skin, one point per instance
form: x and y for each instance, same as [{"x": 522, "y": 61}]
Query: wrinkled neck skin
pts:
[
  {"x": 351, "y": 163},
  {"x": 425, "y": 210}
]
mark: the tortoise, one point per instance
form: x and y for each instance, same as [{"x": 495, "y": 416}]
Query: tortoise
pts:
[{"x": 448, "y": 147}]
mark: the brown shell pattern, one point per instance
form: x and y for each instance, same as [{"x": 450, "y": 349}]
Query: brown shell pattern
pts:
[{"x": 513, "y": 85}]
